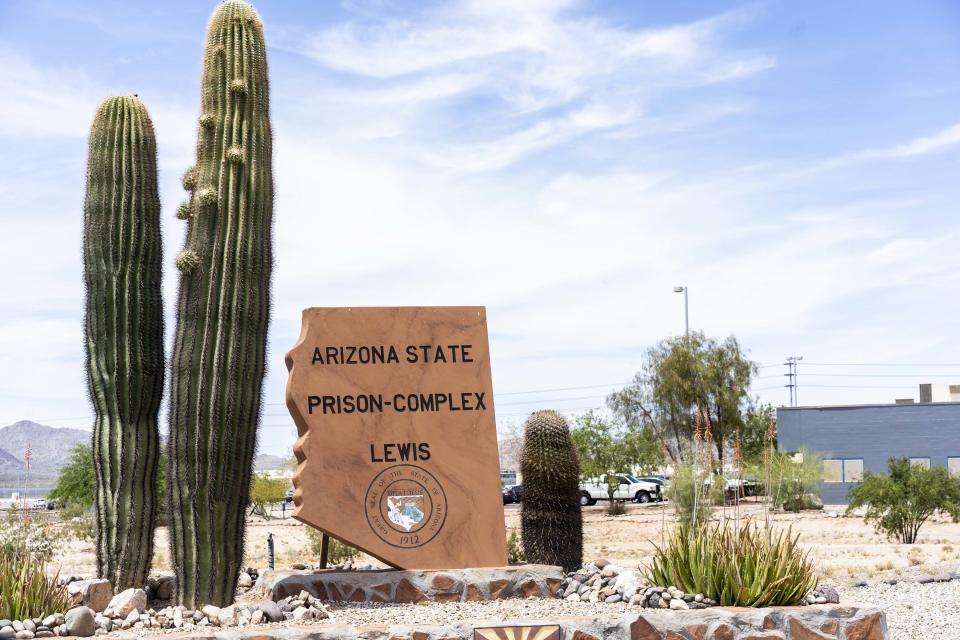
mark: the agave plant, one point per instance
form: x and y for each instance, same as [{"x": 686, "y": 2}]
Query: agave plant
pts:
[
  {"x": 746, "y": 567},
  {"x": 25, "y": 589}
]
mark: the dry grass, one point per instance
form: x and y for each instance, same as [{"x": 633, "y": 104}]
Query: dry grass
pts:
[{"x": 843, "y": 548}]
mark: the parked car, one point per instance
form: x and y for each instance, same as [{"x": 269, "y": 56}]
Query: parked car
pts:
[
  {"x": 512, "y": 493},
  {"x": 630, "y": 488},
  {"x": 662, "y": 481}
]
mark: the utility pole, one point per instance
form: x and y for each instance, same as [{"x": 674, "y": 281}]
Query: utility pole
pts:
[
  {"x": 792, "y": 381},
  {"x": 686, "y": 308}
]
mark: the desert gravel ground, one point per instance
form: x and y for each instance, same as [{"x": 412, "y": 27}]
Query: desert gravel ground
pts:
[
  {"x": 452, "y": 613},
  {"x": 914, "y": 611}
]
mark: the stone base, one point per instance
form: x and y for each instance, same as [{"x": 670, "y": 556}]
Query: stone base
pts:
[
  {"x": 816, "y": 622},
  {"x": 391, "y": 585}
]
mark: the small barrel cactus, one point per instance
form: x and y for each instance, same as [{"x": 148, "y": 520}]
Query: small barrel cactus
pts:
[{"x": 550, "y": 520}]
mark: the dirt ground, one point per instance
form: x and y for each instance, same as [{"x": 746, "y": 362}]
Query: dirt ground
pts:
[{"x": 844, "y": 548}]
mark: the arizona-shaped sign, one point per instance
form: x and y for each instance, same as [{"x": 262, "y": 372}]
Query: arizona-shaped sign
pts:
[{"x": 398, "y": 450}]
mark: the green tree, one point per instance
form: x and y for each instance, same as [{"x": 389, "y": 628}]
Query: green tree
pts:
[
  {"x": 901, "y": 501},
  {"x": 75, "y": 483},
  {"x": 753, "y": 434},
  {"x": 611, "y": 445},
  {"x": 264, "y": 491},
  {"x": 680, "y": 378}
]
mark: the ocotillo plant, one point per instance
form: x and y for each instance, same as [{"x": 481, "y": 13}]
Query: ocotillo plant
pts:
[
  {"x": 550, "y": 519},
  {"x": 123, "y": 333},
  {"x": 223, "y": 309}
]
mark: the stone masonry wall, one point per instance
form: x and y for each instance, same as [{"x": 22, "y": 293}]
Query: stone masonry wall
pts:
[
  {"x": 816, "y": 622},
  {"x": 448, "y": 585}
]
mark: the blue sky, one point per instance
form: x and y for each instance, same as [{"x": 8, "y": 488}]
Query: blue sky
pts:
[{"x": 564, "y": 163}]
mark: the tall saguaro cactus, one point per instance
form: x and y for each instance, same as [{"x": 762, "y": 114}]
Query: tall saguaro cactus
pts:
[
  {"x": 223, "y": 310},
  {"x": 550, "y": 519},
  {"x": 123, "y": 333}
]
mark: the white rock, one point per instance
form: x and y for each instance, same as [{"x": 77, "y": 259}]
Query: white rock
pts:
[
  {"x": 96, "y": 593},
  {"x": 257, "y": 617},
  {"x": 244, "y": 581},
  {"x": 80, "y": 622},
  {"x": 227, "y": 616},
  {"x": 132, "y": 618},
  {"x": 126, "y": 601},
  {"x": 212, "y": 613},
  {"x": 677, "y": 603},
  {"x": 177, "y": 618},
  {"x": 302, "y": 613},
  {"x": 573, "y": 597}
]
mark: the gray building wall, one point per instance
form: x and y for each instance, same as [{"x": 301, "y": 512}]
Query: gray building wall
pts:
[{"x": 874, "y": 433}]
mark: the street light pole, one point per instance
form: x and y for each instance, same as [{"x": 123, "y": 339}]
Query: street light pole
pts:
[{"x": 686, "y": 308}]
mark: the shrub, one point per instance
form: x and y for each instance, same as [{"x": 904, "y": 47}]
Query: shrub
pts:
[
  {"x": 31, "y": 535},
  {"x": 899, "y": 503},
  {"x": 25, "y": 589},
  {"x": 616, "y": 508},
  {"x": 515, "y": 548},
  {"x": 745, "y": 568},
  {"x": 264, "y": 491},
  {"x": 688, "y": 495},
  {"x": 337, "y": 552},
  {"x": 78, "y": 523}
]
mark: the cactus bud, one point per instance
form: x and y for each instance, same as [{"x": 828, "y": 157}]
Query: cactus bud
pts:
[
  {"x": 208, "y": 120},
  {"x": 207, "y": 197},
  {"x": 190, "y": 179},
  {"x": 238, "y": 86},
  {"x": 235, "y": 155},
  {"x": 187, "y": 261},
  {"x": 183, "y": 211}
]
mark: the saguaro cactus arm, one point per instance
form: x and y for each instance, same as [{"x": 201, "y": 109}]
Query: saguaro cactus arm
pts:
[
  {"x": 123, "y": 333},
  {"x": 218, "y": 361}
]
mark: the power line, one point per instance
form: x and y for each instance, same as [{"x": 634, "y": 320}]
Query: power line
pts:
[
  {"x": 880, "y": 375},
  {"x": 882, "y": 364},
  {"x": 859, "y": 386}
]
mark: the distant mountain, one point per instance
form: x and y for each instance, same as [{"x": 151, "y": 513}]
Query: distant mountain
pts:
[
  {"x": 267, "y": 462},
  {"x": 50, "y": 447},
  {"x": 10, "y": 465}
]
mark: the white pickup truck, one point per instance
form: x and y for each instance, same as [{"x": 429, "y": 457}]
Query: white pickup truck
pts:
[{"x": 630, "y": 488}]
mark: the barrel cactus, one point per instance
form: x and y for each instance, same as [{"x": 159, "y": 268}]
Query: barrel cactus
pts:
[
  {"x": 123, "y": 334},
  {"x": 550, "y": 519},
  {"x": 223, "y": 310}
]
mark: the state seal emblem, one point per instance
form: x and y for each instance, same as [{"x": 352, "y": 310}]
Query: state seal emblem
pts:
[{"x": 406, "y": 506}]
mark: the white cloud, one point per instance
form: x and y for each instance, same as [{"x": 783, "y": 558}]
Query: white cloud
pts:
[
  {"x": 939, "y": 141},
  {"x": 520, "y": 81}
]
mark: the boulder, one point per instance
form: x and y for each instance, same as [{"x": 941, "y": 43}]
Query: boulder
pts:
[
  {"x": 271, "y": 610},
  {"x": 228, "y": 616},
  {"x": 212, "y": 613},
  {"x": 244, "y": 581},
  {"x": 126, "y": 601},
  {"x": 302, "y": 613},
  {"x": 166, "y": 585},
  {"x": 80, "y": 622},
  {"x": 95, "y": 593}
]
